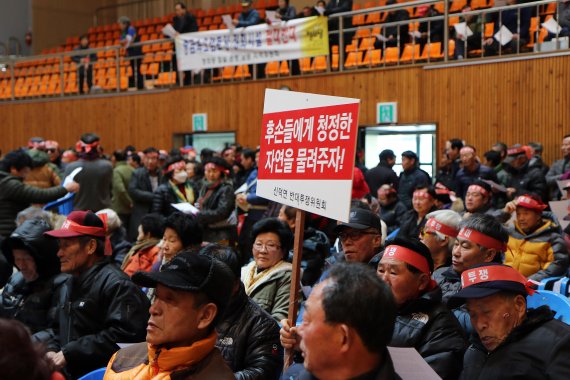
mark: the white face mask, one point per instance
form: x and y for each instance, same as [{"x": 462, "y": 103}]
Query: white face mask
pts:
[{"x": 180, "y": 177}]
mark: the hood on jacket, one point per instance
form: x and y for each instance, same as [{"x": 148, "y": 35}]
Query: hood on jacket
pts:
[
  {"x": 30, "y": 236},
  {"x": 39, "y": 158}
]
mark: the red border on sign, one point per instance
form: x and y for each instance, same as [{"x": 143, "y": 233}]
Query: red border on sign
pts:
[{"x": 312, "y": 143}]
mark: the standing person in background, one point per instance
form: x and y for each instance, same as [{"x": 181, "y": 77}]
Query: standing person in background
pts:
[
  {"x": 410, "y": 178},
  {"x": 183, "y": 22},
  {"x": 144, "y": 182},
  {"x": 177, "y": 189},
  {"x": 128, "y": 37},
  {"x": 121, "y": 200},
  {"x": 217, "y": 203},
  {"x": 84, "y": 64},
  {"x": 96, "y": 176},
  {"x": 54, "y": 153},
  {"x": 383, "y": 173}
]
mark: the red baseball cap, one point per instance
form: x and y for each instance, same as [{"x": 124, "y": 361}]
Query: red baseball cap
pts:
[{"x": 80, "y": 223}]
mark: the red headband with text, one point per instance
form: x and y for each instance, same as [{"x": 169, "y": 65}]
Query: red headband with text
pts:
[
  {"x": 481, "y": 239},
  {"x": 441, "y": 228},
  {"x": 532, "y": 204},
  {"x": 490, "y": 273},
  {"x": 82, "y": 146},
  {"x": 408, "y": 256},
  {"x": 477, "y": 189}
]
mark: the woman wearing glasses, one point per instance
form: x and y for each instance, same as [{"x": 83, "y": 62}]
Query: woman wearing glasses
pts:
[{"x": 267, "y": 279}]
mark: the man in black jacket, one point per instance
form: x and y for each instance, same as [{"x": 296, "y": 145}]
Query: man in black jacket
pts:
[
  {"x": 183, "y": 22},
  {"x": 144, "y": 182},
  {"x": 422, "y": 320},
  {"x": 524, "y": 176},
  {"x": 248, "y": 337},
  {"x": 511, "y": 342},
  {"x": 97, "y": 307},
  {"x": 84, "y": 63},
  {"x": 382, "y": 174},
  {"x": 410, "y": 178}
]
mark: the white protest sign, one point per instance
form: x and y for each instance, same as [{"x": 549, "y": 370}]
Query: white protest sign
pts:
[{"x": 307, "y": 151}]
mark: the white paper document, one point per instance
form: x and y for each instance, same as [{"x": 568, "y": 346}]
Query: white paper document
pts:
[
  {"x": 381, "y": 37},
  {"x": 241, "y": 189},
  {"x": 227, "y": 19},
  {"x": 552, "y": 26},
  {"x": 410, "y": 365},
  {"x": 270, "y": 15},
  {"x": 504, "y": 35},
  {"x": 185, "y": 207},
  {"x": 71, "y": 176},
  {"x": 464, "y": 30},
  {"x": 169, "y": 31},
  {"x": 416, "y": 34}
]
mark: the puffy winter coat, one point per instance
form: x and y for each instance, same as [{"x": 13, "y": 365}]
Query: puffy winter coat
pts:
[
  {"x": 430, "y": 327},
  {"x": 537, "y": 349},
  {"x": 216, "y": 205},
  {"x": 465, "y": 178},
  {"x": 409, "y": 226},
  {"x": 541, "y": 254},
  {"x": 271, "y": 292},
  {"x": 248, "y": 339},
  {"x": 380, "y": 175},
  {"x": 94, "y": 311},
  {"x": 16, "y": 196},
  {"x": 30, "y": 302}
]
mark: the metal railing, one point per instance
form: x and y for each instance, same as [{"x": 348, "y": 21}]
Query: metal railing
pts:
[{"x": 115, "y": 71}]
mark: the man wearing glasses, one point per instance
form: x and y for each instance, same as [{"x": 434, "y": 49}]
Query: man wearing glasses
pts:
[{"x": 361, "y": 237}]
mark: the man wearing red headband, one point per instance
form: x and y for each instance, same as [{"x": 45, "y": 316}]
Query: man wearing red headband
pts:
[
  {"x": 478, "y": 197},
  {"x": 439, "y": 235},
  {"x": 511, "y": 342},
  {"x": 422, "y": 320},
  {"x": 536, "y": 246},
  {"x": 481, "y": 239},
  {"x": 97, "y": 306}
]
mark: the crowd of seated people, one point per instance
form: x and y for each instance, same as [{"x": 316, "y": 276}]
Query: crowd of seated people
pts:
[{"x": 176, "y": 249}]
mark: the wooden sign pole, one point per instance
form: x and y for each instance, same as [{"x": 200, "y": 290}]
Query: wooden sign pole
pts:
[{"x": 296, "y": 280}]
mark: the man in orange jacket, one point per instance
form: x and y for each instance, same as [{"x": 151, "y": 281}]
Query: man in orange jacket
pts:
[{"x": 192, "y": 292}]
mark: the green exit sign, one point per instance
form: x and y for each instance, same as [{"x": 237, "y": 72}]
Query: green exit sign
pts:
[
  {"x": 387, "y": 113},
  {"x": 200, "y": 122}
]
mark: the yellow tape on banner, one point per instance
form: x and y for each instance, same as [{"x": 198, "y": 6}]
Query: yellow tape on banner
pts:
[{"x": 315, "y": 36}]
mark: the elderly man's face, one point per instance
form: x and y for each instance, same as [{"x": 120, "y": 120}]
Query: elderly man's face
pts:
[
  {"x": 318, "y": 337},
  {"x": 359, "y": 245},
  {"x": 151, "y": 161},
  {"x": 25, "y": 264},
  {"x": 405, "y": 285},
  {"x": 494, "y": 317},
  {"x": 74, "y": 257},
  {"x": 176, "y": 319},
  {"x": 465, "y": 254},
  {"x": 467, "y": 157},
  {"x": 528, "y": 220}
]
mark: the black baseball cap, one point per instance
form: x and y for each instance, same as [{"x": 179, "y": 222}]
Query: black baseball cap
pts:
[
  {"x": 191, "y": 272},
  {"x": 360, "y": 219}
]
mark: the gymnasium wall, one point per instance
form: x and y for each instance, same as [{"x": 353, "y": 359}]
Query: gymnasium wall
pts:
[{"x": 513, "y": 102}]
